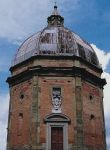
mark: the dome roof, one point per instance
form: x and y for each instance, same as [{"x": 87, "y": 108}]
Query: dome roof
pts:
[{"x": 57, "y": 40}]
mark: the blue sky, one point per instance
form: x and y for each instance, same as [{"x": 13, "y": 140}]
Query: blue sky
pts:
[{"x": 19, "y": 19}]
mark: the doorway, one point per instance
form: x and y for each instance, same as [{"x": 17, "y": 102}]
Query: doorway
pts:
[{"x": 56, "y": 138}]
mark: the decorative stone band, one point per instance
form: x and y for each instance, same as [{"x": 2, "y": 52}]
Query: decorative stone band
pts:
[{"x": 58, "y": 72}]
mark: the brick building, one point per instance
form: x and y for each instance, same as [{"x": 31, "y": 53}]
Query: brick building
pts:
[{"x": 56, "y": 92}]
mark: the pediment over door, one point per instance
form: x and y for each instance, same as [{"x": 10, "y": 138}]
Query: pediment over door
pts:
[{"x": 57, "y": 118}]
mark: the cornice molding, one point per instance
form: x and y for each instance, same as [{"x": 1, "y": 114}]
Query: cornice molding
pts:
[
  {"x": 57, "y": 57},
  {"x": 58, "y": 72}
]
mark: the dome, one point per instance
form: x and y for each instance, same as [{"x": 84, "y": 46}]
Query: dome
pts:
[{"x": 57, "y": 40}]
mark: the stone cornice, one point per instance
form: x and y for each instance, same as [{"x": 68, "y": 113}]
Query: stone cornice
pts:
[
  {"x": 58, "y": 57},
  {"x": 58, "y": 72}
]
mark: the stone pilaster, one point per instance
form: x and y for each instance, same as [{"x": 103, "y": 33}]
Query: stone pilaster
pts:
[
  {"x": 79, "y": 118},
  {"x": 104, "y": 130},
  {"x": 34, "y": 127},
  {"x": 9, "y": 123}
]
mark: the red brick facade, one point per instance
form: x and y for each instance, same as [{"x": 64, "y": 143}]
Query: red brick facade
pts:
[{"x": 31, "y": 102}]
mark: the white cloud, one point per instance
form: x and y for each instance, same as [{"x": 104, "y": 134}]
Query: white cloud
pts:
[
  {"x": 108, "y": 131},
  {"x": 108, "y": 140},
  {"x": 104, "y": 58},
  {"x": 18, "y": 18},
  {"x": 4, "y": 104},
  {"x": 107, "y": 93},
  {"x": 3, "y": 133}
]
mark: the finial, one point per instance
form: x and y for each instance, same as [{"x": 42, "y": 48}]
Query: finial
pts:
[
  {"x": 55, "y": 19},
  {"x": 55, "y": 5},
  {"x": 55, "y": 11}
]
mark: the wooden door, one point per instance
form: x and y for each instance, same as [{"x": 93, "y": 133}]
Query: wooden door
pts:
[{"x": 56, "y": 138}]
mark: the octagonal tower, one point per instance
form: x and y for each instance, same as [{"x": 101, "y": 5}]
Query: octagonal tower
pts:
[{"x": 56, "y": 92}]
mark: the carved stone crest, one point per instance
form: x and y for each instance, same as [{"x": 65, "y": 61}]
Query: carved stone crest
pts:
[{"x": 56, "y": 100}]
